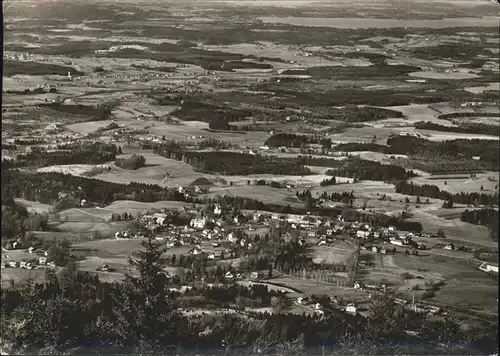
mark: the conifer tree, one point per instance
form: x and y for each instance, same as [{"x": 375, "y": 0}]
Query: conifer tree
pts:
[{"x": 144, "y": 307}]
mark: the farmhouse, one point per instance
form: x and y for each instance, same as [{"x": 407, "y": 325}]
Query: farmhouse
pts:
[
  {"x": 198, "y": 223},
  {"x": 449, "y": 247},
  {"x": 351, "y": 309},
  {"x": 396, "y": 242},
  {"x": 363, "y": 234},
  {"x": 489, "y": 267}
]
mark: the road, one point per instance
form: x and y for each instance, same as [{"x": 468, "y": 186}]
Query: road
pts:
[{"x": 89, "y": 214}]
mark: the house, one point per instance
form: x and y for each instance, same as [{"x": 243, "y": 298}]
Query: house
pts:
[
  {"x": 42, "y": 260},
  {"x": 358, "y": 285},
  {"x": 217, "y": 210},
  {"x": 489, "y": 267},
  {"x": 302, "y": 300},
  {"x": 375, "y": 249},
  {"x": 255, "y": 275},
  {"x": 219, "y": 222},
  {"x": 229, "y": 276},
  {"x": 449, "y": 247},
  {"x": 198, "y": 223},
  {"x": 351, "y": 309},
  {"x": 395, "y": 242},
  {"x": 362, "y": 234},
  {"x": 160, "y": 220},
  {"x": 197, "y": 250},
  {"x": 240, "y": 219},
  {"x": 231, "y": 237},
  {"x": 257, "y": 217},
  {"x": 211, "y": 256}
]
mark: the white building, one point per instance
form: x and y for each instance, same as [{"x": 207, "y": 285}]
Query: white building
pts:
[
  {"x": 489, "y": 267},
  {"x": 198, "y": 223},
  {"x": 351, "y": 309}
]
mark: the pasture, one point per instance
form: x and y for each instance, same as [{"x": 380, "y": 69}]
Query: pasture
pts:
[
  {"x": 89, "y": 127},
  {"x": 457, "y": 183},
  {"x": 34, "y": 206},
  {"x": 338, "y": 253},
  {"x": 100, "y": 229},
  {"x": 265, "y": 194},
  {"x": 137, "y": 208}
]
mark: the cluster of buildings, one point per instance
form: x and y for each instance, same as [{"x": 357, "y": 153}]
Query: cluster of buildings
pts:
[{"x": 40, "y": 258}]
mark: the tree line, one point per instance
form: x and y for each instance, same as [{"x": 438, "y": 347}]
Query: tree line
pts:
[
  {"x": 361, "y": 169},
  {"x": 467, "y": 128},
  {"x": 89, "y": 153},
  {"x": 132, "y": 162},
  {"x": 233, "y": 163},
  {"x": 51, "y": 188},
  {"x": 296, "y": 141},
  {"x": 362, "y": 146},
  {"x": 486, "y": 150},
  {"x": 486, "y": 217},
  {"x": 16, "y": 220},
  {"x": 432, "y": 191}
]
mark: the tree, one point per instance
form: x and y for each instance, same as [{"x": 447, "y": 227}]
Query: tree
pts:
[
  {"x": 276, "y": 303},
  {"x": 270, "y": 273},
  {"x": 144, "y": 306},
  {"x": 481, "y": 187},
  {"x": 440, "y": 233},
  {"x": 59, "y": 253}
]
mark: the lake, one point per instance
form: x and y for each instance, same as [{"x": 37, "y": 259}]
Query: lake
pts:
[{"x": 363, "y": 23}]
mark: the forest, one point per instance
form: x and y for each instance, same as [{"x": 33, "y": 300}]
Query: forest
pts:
[
  {"x": 467, "y": 128},
  {"x": 295, "y": 141},
  {"x": 16, "y": 220},
  {"x": 233, "y": 163},
  {"x": 52, "y": 188},
  {"x": 361, "y": 169},
  {"x": 217, "y": 117},
  {"x": 362, "y": 146},
  {"x": 432, "y": 191},
  {"x": 132, "y": 162},
  {"x": 87, "y": 153},
  {"x": 486, "y": 150}
]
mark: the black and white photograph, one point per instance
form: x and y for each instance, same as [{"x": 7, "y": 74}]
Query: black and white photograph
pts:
[{"x": 250, "y": 177}]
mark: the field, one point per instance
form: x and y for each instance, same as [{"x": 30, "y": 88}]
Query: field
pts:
[
  {"x": 482, "y": 183},
  {"x": 33, "y": 206},
  {"x": 339, "y": 253}
]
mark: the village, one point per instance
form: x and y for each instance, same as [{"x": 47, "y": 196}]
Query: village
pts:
[{"x": 217, "y": 234}]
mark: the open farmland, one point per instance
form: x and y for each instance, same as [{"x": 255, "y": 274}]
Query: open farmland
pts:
[{"x": 283, "y": 174}]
